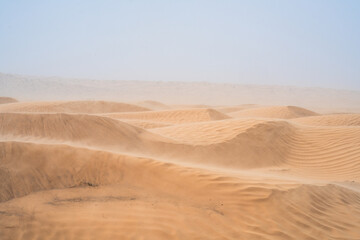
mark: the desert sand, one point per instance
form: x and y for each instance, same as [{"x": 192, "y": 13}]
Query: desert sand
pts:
[{"x": 152, "y": 170}]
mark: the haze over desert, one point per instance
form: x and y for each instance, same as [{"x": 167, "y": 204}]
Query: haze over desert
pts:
[
  {"x": 94, "y": 169},
  {"x": 180, "y": 120}
]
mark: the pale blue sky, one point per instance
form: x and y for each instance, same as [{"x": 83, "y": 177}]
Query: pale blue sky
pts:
[{"x": 301, "y": 43}]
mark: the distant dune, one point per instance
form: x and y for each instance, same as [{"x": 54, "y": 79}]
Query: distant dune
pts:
[
  {"x": 230, "y": 109},
  {"x": 153, "y": 105},
  {"x": 146, "y": 124},
  {"x": 7, "y": 100},
  {"x": 322, "y": 100},
  {"x": 71, "y": 107},
  {"x": 284, "y": 112},
  {"x": 174, "y": 116}
]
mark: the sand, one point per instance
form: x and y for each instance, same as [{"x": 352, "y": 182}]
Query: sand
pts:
[{"x": 151, "y": 170}]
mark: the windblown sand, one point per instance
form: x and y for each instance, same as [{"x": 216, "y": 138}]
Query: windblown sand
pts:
[{"x": 147, "y": 170}]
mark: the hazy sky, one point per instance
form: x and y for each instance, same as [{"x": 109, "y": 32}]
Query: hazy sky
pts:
[{"x": 302, "y": 43}]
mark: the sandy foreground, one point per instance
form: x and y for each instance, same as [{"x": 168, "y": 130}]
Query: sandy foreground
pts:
[{"x": 148, "y": 170}]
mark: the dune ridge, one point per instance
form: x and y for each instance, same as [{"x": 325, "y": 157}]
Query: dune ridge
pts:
[
  {"x": 174, "y": 116},
  {"x": 260, "y": 143},
  {"x": 84, "y": 129},
  {"x": 230, "y": 109},
  {"x": 284, "y": 112},
  {"x": 145, "y": 123},
  {"x": 72, "y": 107},
  {"x": 239, "y": 143}
]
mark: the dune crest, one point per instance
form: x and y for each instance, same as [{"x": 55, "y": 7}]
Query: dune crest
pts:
[
  {"x": 174, "y": 116},
  {"x": 88, "y": 130},
  {"x": 90, "y": 107},
  {"x": 284, "y": 112}
]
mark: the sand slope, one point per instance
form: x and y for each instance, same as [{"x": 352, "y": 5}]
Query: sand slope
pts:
[
  {"x": 239, "y": 143},
  {"x": 331, "y": 120},
  {"x": 125, "y": 197},
  {"x": 82, "y": 129},
  {"x": 258, "y": 143},
  {"x": 145, "y": 123},
  {"x": 230, "y": 109}
]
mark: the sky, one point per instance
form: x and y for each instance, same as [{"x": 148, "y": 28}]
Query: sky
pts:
[{"x": 311, "y": 43}]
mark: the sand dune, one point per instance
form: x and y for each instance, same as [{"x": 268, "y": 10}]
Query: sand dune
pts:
[
  {"x": 28, "y": 167},
  {"x": 207, "y": 133},
  {"x": 7, "y": 100},
  {"x": 145, "y": 124},
  {"x": 173, "y": 116},
  {"x": 270, "y": 173},
  {"x": 259, "y": 143},
  {"x": 153, "y": 105},
  {"x": 284, "y": 112},
  {"x": 106, "y": 133},
  {"x": 189, "y": 106},
  {"x": 83, "y": 129},
  {"x": 253, "y": 212},
  {"x": 125, "y": 197},
  {"x": 230, "y": 109},
  {"x": 331, "y": 120},
  {"x": 239, "y": 143},
  {"x": 72, "y": 107}
]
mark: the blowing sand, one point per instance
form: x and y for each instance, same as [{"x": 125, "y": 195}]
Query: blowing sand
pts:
[{"x": 148, "y": 170}]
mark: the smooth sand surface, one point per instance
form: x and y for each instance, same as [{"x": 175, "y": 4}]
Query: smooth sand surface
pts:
[{"x": 149, "y": 170}]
